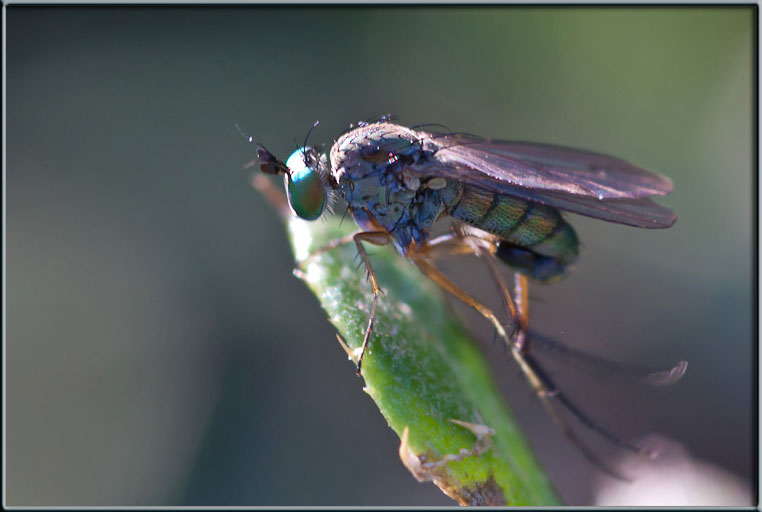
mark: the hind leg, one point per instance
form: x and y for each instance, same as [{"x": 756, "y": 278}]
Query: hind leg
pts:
[{"x": 518, "y": 341}]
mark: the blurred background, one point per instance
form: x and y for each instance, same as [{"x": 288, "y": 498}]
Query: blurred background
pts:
[{"x": 159, "y": 350}]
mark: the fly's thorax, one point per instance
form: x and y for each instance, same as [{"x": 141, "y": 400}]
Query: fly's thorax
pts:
[
  {"x": 373, "y": 148},
  {"x": 400, "y": 200},
  {"x": 368, "y": 162},
  {"x": 382, "y": 196}
]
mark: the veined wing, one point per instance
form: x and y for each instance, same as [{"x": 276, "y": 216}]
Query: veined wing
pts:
[{"x": 577, "y": 181}]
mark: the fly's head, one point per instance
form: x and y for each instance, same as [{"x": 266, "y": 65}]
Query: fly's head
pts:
[{"x": 306, "y": 179}]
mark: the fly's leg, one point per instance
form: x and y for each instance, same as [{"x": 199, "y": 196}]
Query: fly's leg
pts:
[
  {"x": 518, "y": 341},
  {"x": 543, "y": 388},
  {"x": 549, "y": 394},
  {"x": 521, "y": 350},
  {"x": 375, "y": 238},
  {"x": 450, "y": 287},
  {"x": 333, "y": 244},
  {"x": 460, "y": 242},
  {"x": 521, "y": 292},
  {"x": 372, "y": 237},
  {"x": 614, "y": 369},
  {"x": 484, "y": 246}
]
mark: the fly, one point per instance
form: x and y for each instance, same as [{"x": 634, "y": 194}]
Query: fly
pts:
[{"x": 504, "y": 200}]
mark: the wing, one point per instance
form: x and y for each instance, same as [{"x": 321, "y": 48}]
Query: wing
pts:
[{"x": 590, "y": 184}]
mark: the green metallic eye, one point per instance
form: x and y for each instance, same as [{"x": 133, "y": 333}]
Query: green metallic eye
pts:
[{"x": 304, "y": 185}]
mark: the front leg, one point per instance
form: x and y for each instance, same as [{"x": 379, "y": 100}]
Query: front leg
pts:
[
  {"x": 372, "y": 237},
  {"x": 333, "y": 244},
  {"x": 375, "y": 238}
]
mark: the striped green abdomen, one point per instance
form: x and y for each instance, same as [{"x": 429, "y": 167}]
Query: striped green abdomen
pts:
[{"x": 536, "y": 239}]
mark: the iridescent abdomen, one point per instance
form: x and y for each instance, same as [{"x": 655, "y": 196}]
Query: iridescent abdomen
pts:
[{"x": 536, "y": 240}]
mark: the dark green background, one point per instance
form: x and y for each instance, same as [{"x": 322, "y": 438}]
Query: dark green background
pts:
[{"x": 159, "y": 350}]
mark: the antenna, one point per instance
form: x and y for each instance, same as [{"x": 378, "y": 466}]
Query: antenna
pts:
[
  {"x": 268, "y": 163},
  {"x": 314, "y": 125}
]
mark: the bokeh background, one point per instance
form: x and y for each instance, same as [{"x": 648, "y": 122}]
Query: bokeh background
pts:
[{"x": 159, "y": 351}]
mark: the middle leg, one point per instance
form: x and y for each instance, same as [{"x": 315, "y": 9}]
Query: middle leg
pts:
[{"x": 460, "y": 242}]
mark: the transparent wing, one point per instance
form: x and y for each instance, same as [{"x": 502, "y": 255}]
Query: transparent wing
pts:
[{"x": 577, "y": 181}]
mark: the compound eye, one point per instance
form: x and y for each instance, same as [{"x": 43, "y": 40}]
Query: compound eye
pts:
[{"x": 305, "y": 188}]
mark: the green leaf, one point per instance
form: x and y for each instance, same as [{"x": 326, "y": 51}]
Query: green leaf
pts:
[{"x": 423, "y": 372}]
